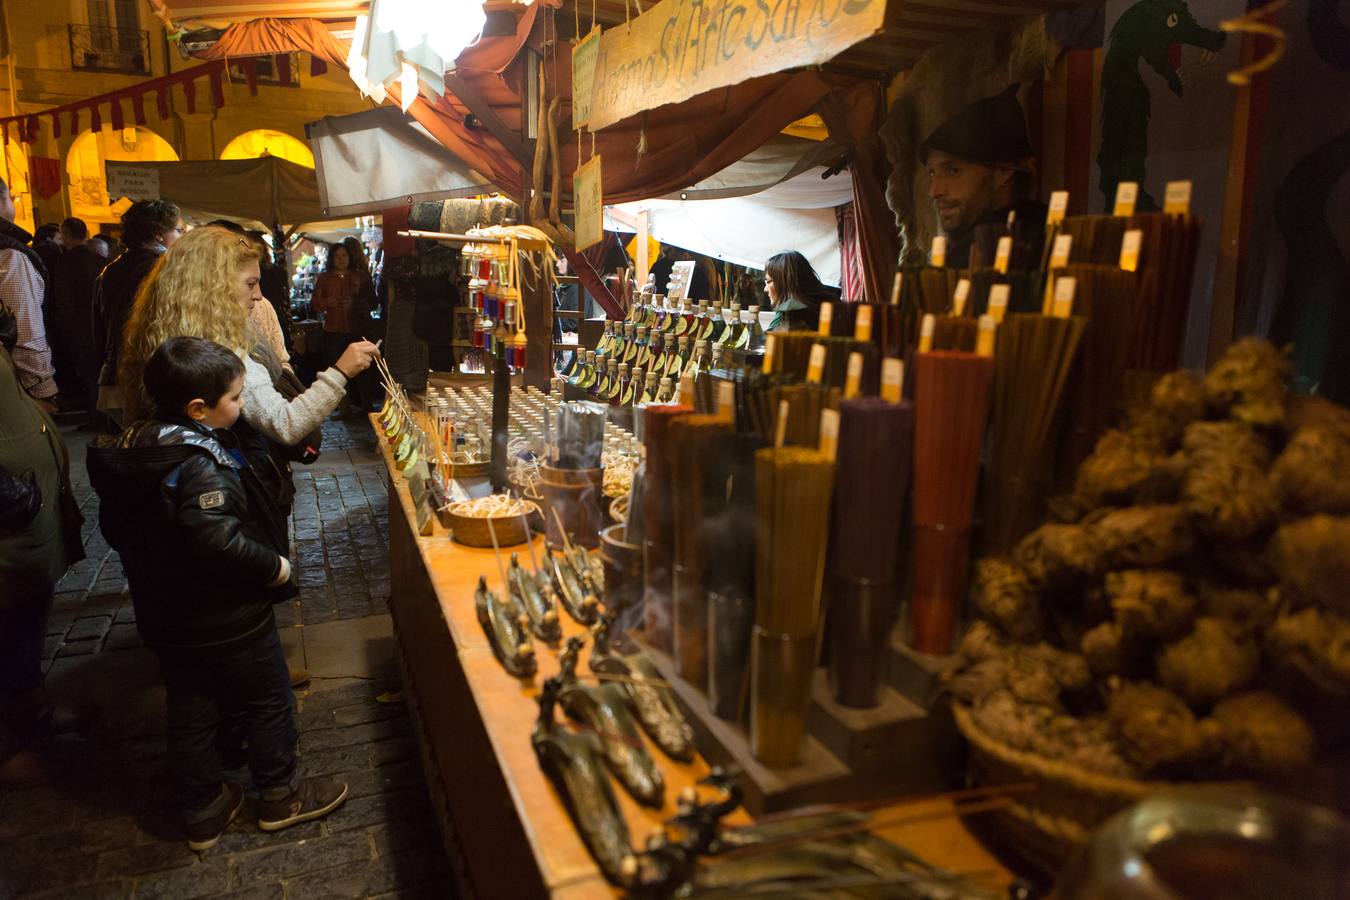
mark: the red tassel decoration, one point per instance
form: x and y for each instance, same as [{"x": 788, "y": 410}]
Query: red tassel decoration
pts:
[
  {"x": 74, "y": 121},
  {"x": 283, "y": 64},
  {"x": 31, "y": 133},
  {"x": 217, "y": 90},
  {"x": 138, "y": 108},
  {"x": 118, "y": 123},
  {"x": 250, "y": 67},
  {"x": 56, "y": 126},
  {"x": 95, "y": 119},
  {"x": 317, "y": 67},
  {"x": 162, "y": 102},
  {"x": 190, "y": 93}
]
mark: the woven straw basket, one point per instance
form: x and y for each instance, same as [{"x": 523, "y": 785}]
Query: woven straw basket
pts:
[{"x": 1046, "y": 824}]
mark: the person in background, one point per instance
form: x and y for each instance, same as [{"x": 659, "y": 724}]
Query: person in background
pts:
[
  {"x": 100, "y": 244},
  {"x": 23, "y": 293},
  {"x": 39, "y": 540},
  {"x": 47, "y": 241},
  {"x": 276, "y": 288},
  {"x": 980, "y": 166},
  {"x": 344, "y": 296},
  {"x": 205, "y": 562},
  {"x": 72, "y": 309},
  {"x": 149, "y": 227},
  {"x": 795, "y": 292}
]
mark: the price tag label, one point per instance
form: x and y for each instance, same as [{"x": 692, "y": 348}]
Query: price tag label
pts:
[
  {"x": 1059, "y": 207},
  {"x": 960, "y": 296},
  {"x": 1127, "y": 194},
  {"x": 998, "y": 301},
  {"x": 829, "y": 433},
  {"x": 862, "y": 325},
  {"x": 984, "y": 340},
  {"x": 926, "y": 328},
  {"x": 815, "y": 367},
  {"x": 892, "y": 379},
  {"x": 1177, "y": 199},
  {"x": 1129, "y": 249},
  {"x": 896, "y": 285},
  {"x": 726, "y": 398},
  {"x": 1060, "y": 250},
  {"x": 853, "y": 380},
  {"x": 770, "y": 342},
  {"x": 1065, "y": 288},
  {"x": 938, "y": 255},
  {"x": 1002, "y": 254},
  {"x": 780, "y": 427},
  {"x": 826, "y": 316}
]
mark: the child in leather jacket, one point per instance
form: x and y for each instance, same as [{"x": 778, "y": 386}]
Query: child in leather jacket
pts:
[{"x": 205, "y": 561}]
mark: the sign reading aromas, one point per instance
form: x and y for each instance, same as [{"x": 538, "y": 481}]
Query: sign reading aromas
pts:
[
  {"x": 132, "y": 182},
  {"x": 681, "y": 48}
]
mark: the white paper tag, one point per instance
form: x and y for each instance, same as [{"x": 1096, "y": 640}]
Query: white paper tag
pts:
[
  {"x": 938, "y": 255},
  {"x": 895, "y": 288},
  {"x": 862, "y": 325},
  {"x": 1129, "y": 249},
  {"x": 829, "y": 433},
  {"x": 726, "y": 397},
  {"x": 853, "y": 378},
  {"x": 998, "y": 301},
  {"x": 815, "y": 367},
  {"x": 826, "y": 316},
  {"x": 960, "y": 296},
  {"x": 892, "y": 379},
  {"x": 1127, "y": 194},
  {"x": 1059, "y": 206},
  {"x": 1177, "y": 198},
  {"x": 1065, "y": 288},
  {"x": 780, "y": 429},
  {"x": 1059, "y": 254},
  {"x": 1002, "y": 254}
]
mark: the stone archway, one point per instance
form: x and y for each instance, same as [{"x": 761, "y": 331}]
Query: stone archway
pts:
[
  {"x": 266, "y": 141},
  {"x": 84, "y": 165}
]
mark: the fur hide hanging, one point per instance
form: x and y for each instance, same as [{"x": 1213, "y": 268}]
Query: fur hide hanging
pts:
[{"x": 942, "y": 83}]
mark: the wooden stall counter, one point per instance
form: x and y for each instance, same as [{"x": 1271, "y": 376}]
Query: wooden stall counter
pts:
[{"x": 506, "y": 829}]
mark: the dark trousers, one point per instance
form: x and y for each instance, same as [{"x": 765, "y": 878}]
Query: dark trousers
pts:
[
  {"x": 248, "y": 688},
  {"x": 25, "y": 602}
]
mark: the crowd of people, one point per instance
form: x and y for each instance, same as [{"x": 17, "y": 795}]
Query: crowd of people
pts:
[{"x": 178, "y": 348}]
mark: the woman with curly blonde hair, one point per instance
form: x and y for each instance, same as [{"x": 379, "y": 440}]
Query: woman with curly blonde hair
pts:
[{"x": 204, "y": 287}]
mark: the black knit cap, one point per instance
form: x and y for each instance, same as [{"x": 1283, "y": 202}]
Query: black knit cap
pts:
[{"x": 988, "y": 131}]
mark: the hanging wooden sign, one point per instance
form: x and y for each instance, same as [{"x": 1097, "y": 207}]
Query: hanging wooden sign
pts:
[
  {"x": 681, "y": 48},
  {"x": 589, "y": 203},
  {"x": 583, "y": 75}
]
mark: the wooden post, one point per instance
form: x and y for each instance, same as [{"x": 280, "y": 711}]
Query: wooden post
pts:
[
  {"x": 538, "y": 299},
  {"x": 644, "y": 265}
]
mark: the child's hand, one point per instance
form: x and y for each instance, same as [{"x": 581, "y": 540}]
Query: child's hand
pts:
[{"x": 284, "y": 575}]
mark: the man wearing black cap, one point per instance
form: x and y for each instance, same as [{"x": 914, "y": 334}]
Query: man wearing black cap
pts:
[{"x": 980, "y": 163}]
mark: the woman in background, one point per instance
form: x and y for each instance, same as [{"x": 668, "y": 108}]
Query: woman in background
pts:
[
  {"x": 345, "y": 295},
  {"x": 795, "y": 291}
]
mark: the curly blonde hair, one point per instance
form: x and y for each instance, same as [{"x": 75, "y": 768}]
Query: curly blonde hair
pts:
[{"x": 190, "y": 292}]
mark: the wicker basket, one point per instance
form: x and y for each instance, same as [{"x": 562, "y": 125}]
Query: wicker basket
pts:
[
  {"x": 472, "y": 531},
  {"x": 1046, "y": 824}
]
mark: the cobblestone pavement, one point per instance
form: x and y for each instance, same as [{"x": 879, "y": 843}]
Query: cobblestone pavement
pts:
[{"x": 103, "y": 827}]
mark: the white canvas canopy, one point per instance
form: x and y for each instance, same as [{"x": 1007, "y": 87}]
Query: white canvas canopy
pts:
[{"x": 376, "y": 159}]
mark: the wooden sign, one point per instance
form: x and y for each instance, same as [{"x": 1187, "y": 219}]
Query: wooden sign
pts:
[
  {"x": 584, "y": 55},
  {"x": 589, "y": 204},
  {"x": 681, "y": 48}
]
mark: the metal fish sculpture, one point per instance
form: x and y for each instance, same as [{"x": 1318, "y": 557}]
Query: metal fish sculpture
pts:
[
  {"x": 506, "y": 627},
  {"x": 543, "y": 615},
  {"x": 655, "y": 708}
]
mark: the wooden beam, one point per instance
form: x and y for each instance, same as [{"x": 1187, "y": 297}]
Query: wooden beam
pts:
[
  {"x": 593, "y": 283},
  {"x": 491, "y": 121},
  {"x": 644, "y": 264}
]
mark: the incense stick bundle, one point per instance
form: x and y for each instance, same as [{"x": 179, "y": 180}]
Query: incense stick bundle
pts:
[
  {"x": 1032, "y": 362},
  {"x": 876, "y": 441},
  {"x": 804, "y": 404},
  {"x": 1023, "y": 290},
  {"x": 755, "y": 411},
  {"x": 691, "y": 439},
  {"x": 1096, "y": 239},
  {"x": 1107, "y": 297},
  {"x": 1025, "y": 254},
  {"x": 955, "y": 333},
  {"x": 792, "y": 499},
  {"x": 792, "y": 358},
  {"x": 898, "y": 325},
  {"x": 658, "y": 536},
  {"x": 951, "y": 401},
  {"x": 935, "y": 289},
  {"x": 729, "y": 571},
  {"x": 1166, "y": 264}
]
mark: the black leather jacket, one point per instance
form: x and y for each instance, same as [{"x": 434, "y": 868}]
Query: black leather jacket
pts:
[
  {"x": 191, "y": 523},
  {"x": 114, "y": 293}
]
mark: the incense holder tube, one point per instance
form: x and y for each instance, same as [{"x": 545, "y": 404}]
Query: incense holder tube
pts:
[
  {"x": 941, "y": 558},
  {"x": 730, "y": 619},
  {"x": 623, "y": 570},
  {"x": 862, "y": 613},
  {"x": 574, "y": 495},
  {"x": 690, "y": 635},
  {"x": 781, "y": 668}
]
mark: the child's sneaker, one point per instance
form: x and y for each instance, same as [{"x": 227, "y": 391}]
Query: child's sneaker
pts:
[
  {"x": 313, "y": 799},
  {"x": 204, "y": 835}
]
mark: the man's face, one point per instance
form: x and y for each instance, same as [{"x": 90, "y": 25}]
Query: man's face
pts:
[
  {"x": 7, "y": 210},
  {"x": 962, "y": 191}
]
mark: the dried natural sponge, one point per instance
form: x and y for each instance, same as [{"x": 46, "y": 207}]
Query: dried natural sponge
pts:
[
  {"x": 1208, "y": 664},
  {"x": 1155, "y": 729},
  {"x": 1312, "y": 557},
  {"x": 1248, "y": 383},
  {"x": 1262, "y": 735}
]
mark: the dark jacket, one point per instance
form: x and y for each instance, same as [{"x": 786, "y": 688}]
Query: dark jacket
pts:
[
  {"x": 192, "y": 526},
  {"x": 1029, "y": 231},
  {"x": 114, "y": 293},
  {"x": 72, "y": 296}
]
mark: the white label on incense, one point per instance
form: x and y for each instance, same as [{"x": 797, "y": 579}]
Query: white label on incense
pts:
[
  {"x": 829, "y": 433},
  {"x": 984, "y": 341},
  {"x": 895, "y": 288},
  {"x": 1177, "y": 199},
  {"x": 862, "y": 325},
  {"x": 892, "y": 379},
  {"x": 1129, "y": 249},
  {"x": 998, "y": 301},
  {"x": 826, "y": 316},
  {"x": 853, "y": 380},
  {"x": 938, "y": 255},
  {"x": 1064, "y": 292},
  {"x": 769, "y": 342},
  {"x": 1063, "y": 246},
  {"x": 815, "y": 368},
  {"x": 1002, "y": 254},
  {"x": 926, "y": 328},
  {"x": 726, "y": 397},
  {"x": 960, "y": 297},
  {"x": 780, "y": 427},
  {"x": 1127, "y": 193},
  {"x": 1059, "y": 205}
]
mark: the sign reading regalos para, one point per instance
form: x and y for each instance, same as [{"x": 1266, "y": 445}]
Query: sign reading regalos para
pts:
[{"x": 681, "y": 48}]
